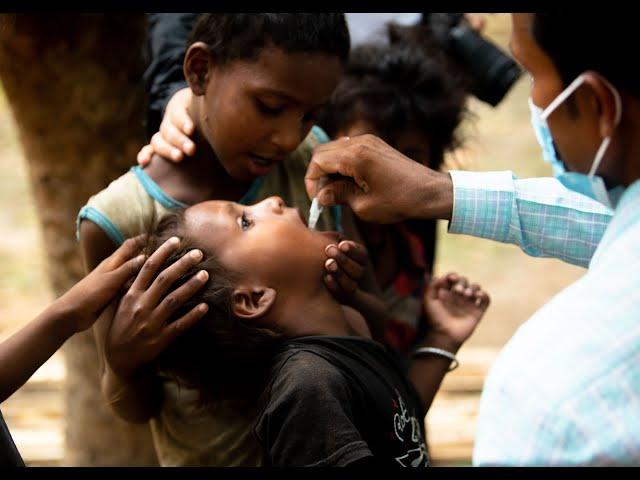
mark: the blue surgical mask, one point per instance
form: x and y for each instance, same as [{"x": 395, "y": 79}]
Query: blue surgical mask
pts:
[{"x": 591, "y": 185}]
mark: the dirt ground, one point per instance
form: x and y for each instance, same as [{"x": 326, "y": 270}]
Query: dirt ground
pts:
[{"x": 497, "y": 139}]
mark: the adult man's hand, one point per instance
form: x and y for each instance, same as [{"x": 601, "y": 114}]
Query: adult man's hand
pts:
[{"x": 379, "y": 183}]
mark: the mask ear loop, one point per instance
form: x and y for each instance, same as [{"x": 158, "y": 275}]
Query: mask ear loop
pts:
[
  {"x": 605, "y": 143},
  {"x": 562, "y": 96}
]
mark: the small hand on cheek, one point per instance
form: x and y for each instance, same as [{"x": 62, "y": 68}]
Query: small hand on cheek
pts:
[{"x": 344, "y": 268}]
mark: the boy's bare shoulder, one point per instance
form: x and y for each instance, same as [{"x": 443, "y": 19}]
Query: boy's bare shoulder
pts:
[{"x": 95, "y": 244}]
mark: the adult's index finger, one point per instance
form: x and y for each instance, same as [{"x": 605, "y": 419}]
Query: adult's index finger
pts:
[{"x": 330, "y": 159}]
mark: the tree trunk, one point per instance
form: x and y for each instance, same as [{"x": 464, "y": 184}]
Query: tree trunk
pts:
[{"x": 74, "y": 84}]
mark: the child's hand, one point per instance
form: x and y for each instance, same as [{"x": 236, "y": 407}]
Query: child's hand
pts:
[
  {"x": 85, "y": 301},
  {"x": 453, "y": 309},
  {"x": 139, "y": 331},
  {"x": 344, "y": 268},
  {"x": 172, "y": 141}
]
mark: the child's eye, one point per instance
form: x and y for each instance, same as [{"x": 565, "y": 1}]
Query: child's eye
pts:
[
  {"x": 267, "y": 110},
  {"x": 245, "y": 223}
]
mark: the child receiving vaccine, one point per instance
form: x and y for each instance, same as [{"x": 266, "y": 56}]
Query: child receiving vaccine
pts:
[
  {"x": 411, "y": 101},
  {"x": 257, "y": 84},
  {"x": 327, "y": 394}
]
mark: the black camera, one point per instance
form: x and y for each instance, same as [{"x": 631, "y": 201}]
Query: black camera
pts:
[{"x": 489, "y": 72}]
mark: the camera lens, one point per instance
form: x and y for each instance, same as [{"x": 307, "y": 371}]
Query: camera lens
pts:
[{"x": 491, "y": 70}]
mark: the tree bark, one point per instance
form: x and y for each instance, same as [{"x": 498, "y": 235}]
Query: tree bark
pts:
[{"x": 74, "y": 84}]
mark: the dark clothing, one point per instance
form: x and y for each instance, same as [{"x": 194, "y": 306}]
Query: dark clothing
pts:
[
  {"x": 9, "y": 455},
  {"x": 333, "y": 401},
  {"x": 166, "y": 47}
]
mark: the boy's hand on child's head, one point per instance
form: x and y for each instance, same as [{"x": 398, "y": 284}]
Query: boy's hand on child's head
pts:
[
  {"x": 454, "y": 308},
  {"x": 344, "y": 269},
  {"x": 84, "y": 302},
  {"x": 139, "y": 331},
  {"x": 172, "y": 141}
]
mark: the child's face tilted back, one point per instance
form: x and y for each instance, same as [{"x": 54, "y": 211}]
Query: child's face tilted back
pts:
[
  {"x": 254, "y": 108},
  {"x": 266, "y": 245},
  {"x": 265, "y": 284}
]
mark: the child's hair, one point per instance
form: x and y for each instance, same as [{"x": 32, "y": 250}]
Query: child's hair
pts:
[
  {"x": 393, "y": 86},
  {"x": 233, "y": 36},
  {"x": 221, "y": 356}
]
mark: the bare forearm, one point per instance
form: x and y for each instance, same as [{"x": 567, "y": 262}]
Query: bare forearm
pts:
[
  {"x": 427, "y": 372},
  {"x": 25, "y": 351},
  {"x": 134, "y": 396}
]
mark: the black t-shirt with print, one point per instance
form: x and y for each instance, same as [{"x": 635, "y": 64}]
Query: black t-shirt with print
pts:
[{"x": 334, "y": 401}]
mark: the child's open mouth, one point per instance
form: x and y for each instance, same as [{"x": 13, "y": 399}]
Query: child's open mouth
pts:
[{"x": 331, "y": 234}]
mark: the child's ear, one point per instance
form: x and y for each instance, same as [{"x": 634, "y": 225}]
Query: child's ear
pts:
[
  {"x": 197, "y": 62},
  {"x": 252, "y": 303}
]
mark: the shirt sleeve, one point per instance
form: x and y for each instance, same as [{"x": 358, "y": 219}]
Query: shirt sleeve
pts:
[
  {"x": 308, "y": 417},
  {"x": 166, "y": 46},
  {"x": 540, "y": 215}
]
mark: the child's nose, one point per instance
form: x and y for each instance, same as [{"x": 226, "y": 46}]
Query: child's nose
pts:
[{"x": 276, "y": 204}]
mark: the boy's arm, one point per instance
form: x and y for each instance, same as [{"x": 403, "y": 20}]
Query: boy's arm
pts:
[
  {"x": 133, "y": 331},
  {"x": 136, "y": 399},
  {"x": 427, "y": 372},
  {"x": 24, "y": 352},
  {"x": 453, "y": 307}
]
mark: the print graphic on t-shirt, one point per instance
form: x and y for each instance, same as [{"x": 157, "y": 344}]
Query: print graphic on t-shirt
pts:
[{"x": 403, "y": 425}]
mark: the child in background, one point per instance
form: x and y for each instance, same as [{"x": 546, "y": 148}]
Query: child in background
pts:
[
  {"x": 410, "y": 101},
  {"x": 328, "y": 394},
  {"x": 257, "y": 83}
]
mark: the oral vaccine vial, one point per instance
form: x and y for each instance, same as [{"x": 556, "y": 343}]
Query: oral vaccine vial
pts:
[{"x": 314, "y": 213}]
